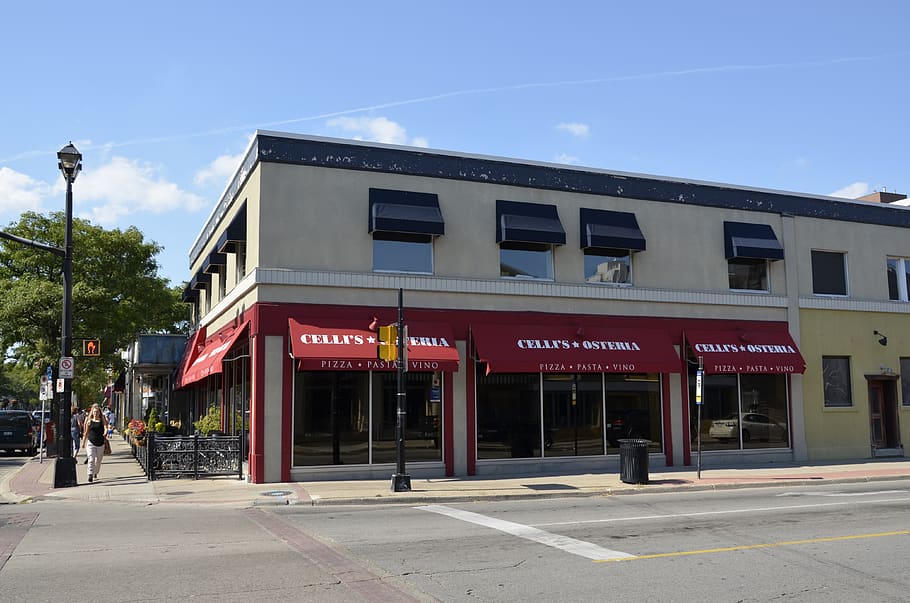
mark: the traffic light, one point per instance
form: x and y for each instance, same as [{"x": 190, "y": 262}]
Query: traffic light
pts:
[
  {"x": 388, "y": 343},
  {"x": 91, "y": 347}
]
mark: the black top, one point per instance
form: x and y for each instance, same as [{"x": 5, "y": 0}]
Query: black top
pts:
[{"x": 96, "y": 433}]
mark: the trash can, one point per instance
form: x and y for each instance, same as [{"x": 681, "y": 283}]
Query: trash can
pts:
[{"x": 633, "y": 461}]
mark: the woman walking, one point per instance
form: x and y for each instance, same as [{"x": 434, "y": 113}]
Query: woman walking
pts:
[{"x": 94, "y": 430}]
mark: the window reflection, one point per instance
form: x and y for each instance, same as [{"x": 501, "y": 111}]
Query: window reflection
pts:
[
  {"x": 633, "y": 409},
  {"x": 608, "y": 266},
  {"x": 741, "y": 411},
  {"x": 573, "y": 415},
  {"x": 402, "y": 253},
  {"x": 526, "y": 260}
]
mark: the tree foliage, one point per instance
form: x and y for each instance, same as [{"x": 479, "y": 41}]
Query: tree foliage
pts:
[{"x": 117, "y": 294}]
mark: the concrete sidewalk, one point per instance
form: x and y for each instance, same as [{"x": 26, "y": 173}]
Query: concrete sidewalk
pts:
[{"x": 121, "y": 479}]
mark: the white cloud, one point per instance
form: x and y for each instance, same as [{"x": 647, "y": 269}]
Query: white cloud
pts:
[
  {"x": 376, "y": 129},
  {"x": 125, "y": 187},
  {"x": 852, "y": 191},
  {"x": 569, "y": 159},
  {"x": 218, "y": 171},
  {"x": 20, "y": 192},
  {"x": 575, "y": 129}
]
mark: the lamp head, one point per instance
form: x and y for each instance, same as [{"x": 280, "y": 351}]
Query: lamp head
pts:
[
  {"x": 70, "y": 162},
  {"x": 882, "y": 339}
]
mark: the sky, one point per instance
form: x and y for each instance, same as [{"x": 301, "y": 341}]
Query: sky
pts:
[{"x": 162, "y": 98}]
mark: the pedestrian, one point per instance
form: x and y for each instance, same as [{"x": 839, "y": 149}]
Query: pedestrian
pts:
[
  {"x": 95, "y": 428},
  {"x": 76, "y": 429}
]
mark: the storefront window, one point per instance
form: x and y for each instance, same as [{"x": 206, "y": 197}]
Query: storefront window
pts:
[
  {"x": 509, "y": 407},
  {"x": 633, "y": 409},
  {"x": 423, "y": 421},
  {"x": 331, "y": 418},
  {"x": 333, "y": 422},
  {"x": 573, "y": 415},
  {"x": 508, "y": 415},
  {"x": 741, "y": 412}
]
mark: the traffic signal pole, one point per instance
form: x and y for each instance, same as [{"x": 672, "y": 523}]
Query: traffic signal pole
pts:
[{"x": 401, "y": 481}]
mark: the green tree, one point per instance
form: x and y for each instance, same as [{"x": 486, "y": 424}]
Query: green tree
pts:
[{"x": 117, "y": 294}]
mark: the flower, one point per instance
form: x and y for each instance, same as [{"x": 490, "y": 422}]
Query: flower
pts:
[{"x": 137, "y": 428}]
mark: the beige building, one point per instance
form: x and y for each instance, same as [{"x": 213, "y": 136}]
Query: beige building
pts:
[{"x": 552, "y": 311}]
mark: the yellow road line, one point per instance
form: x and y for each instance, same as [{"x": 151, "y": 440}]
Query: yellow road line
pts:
[{"x": 768, "y": 545}]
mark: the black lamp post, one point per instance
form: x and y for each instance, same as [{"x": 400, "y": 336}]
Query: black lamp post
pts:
[{"x": 65, "y": 469}]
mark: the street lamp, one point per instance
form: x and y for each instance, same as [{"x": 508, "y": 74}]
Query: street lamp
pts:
[{"x": 65, "y": 469}]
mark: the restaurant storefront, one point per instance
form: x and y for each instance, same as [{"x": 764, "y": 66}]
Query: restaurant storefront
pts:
[
  {"x": 745, "y": 389},
  {"x": 485, "y": 394}
]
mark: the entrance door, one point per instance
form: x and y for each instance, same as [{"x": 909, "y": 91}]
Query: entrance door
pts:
[{"x": 884, "y": 428}]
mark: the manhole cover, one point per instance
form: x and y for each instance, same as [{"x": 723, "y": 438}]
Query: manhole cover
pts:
[{"x": 277, "y": 493}]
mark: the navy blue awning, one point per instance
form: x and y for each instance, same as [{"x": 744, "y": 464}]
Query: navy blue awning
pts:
[
  {"x": 610, "y": 230},
  {"x": 233, "y": 234},
  {"x": 201, "y": 280},
  {"x": 213, "y": 262},
  {"x": 757, "y": 241},
  {"x": 519, "y": 222},
  {"x": 190, "y": 295},
  {"x": 405, "y": 212}
]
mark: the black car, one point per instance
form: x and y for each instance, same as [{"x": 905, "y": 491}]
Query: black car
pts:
[{"x": 17, "y": 432}]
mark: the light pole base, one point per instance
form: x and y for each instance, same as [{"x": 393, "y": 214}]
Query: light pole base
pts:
[
  {"x": 401, "y": 482},
  {"x": 65, "y": 472}
]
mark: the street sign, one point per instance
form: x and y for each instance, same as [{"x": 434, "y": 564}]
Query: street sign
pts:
[
  {"x": 66, "y": 367},
  {"x": 50, "y": 373},
  {"x": 42, "y": 391}
]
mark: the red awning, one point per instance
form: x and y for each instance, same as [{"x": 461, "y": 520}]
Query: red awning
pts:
[
  {"x": 208, "y": 361},
  {"x": 327, "y": 347},
  {"x": 746, "y": 351},
  {"x": 570, "y": 349}
]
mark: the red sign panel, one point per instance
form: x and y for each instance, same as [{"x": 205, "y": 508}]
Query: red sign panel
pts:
[
  {"x": 322, "y": 347},
  {"x": 746, "y": 351},
  {"x": 573, "y": 349}
]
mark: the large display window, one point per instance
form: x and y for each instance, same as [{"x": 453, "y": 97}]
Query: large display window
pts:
[
  {"x": 741, "y": 411},
  {"x": 349, "y": 417},
  {"x": 528, "y": 415}
]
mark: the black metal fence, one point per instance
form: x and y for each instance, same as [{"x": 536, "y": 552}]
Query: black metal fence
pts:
[{"x": 176, "y": 456}]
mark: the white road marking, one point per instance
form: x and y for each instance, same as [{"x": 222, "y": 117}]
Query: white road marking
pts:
[
  {"x": 569, "y": 545},
  {"x": 843, "y": 493},
  {"x": 726, "y": 512}
]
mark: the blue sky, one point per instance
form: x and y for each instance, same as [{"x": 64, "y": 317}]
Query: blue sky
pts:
[{"x": 162, "y": 98}]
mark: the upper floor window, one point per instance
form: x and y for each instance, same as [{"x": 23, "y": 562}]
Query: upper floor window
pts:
[
  {"x": 829, "y": 272},
  {"x": 836, "y": 377},
  {"x": 403, "y": 224},
  {"x": 899, "y": 279},
  {"x": 395, "y": 252},
  {"x": 609, "y": 239},
  {"x": 222, "y": 281},
  {"x": 749, "y": 249},
  {"x": 526, "y": 233},
  {"x": 526, "y": 260},
  {"x": 608, "y": 266},
  {"x": 748, "y": 273},
  {"x": 240, "y": 260}
]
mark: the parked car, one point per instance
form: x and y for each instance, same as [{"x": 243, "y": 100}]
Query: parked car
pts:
[
  {"x": 17, "y": 432},
  {"x": 755, "y": 427}
]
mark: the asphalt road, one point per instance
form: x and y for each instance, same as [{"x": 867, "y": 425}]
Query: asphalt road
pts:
[
  {"x": 843, "y": 543},
  {"x": 808, "y": 544}
]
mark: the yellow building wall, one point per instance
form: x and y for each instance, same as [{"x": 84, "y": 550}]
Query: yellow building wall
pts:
[{"x": 844, "y": 433}]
